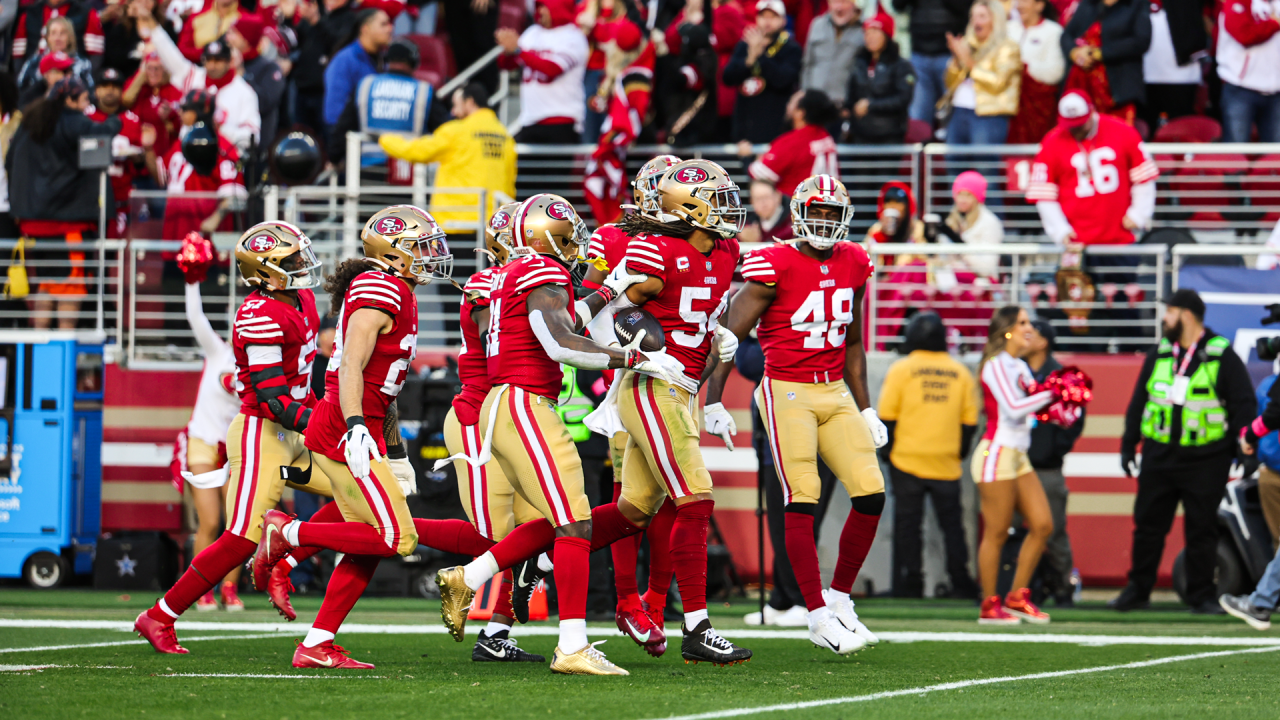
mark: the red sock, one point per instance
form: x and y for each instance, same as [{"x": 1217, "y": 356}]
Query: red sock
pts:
[
  {"x": 206, "y": 571},
  {"x": 346, "y": 585},
  {"x": 572, "y": 573},
  {"x": 855, "y": 540},
  {"x": 503, "y": 607},
  {"x": 353, "y": 538},
  {"x": 453, "y": 536},
  {"x": 524, "y": 542},
  {"x": 803, "y": 555},
  {"x": 659, "y": 534},
  {"x": 609, "y": 525},
  {"x": 330, "y": 513},
  {"x": 625, "y": 552},
  {"x": 689, "y": 552}
]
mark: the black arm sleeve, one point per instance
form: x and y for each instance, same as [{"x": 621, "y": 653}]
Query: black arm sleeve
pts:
[
  {"x": 1133, "y": 416},
  {"x": 1236, "y": 390},
  {"x": 966, "y": 439},
  {"x": 272, "y": 392}
]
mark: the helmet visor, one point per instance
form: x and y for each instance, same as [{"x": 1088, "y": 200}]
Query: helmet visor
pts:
[
  {"x": 823, "y": 224},
  {"x": 301, "y": 269},
  {"x": 431, "y": 259},
  {"x": 730, "y": 216}
]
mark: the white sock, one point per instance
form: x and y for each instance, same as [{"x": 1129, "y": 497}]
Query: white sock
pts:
[
  {"x": 292, "y": 562},
  {"x": 837, "y": 595},
  {"x": 315, "y": 636},
  {"x": 291, "y": 533},
  {"x": 573, "y": 636},
  {"x": 819, "y": 615},
  {"x": 544, "y": 563},
  {"x": 167, "y": 610},
  {"x": 691, "y": 619},
  {"x": 478, "y": 572},
  {"x": 493, "y": 628}
]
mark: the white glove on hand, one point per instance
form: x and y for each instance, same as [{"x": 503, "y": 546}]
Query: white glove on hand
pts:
[
  {"x": 360, "y": 450},
  {"x": 406, "y": 476},
  {"x": 879, "y": 433},
  {"x": 619, "y": 280},
  {"x": 720, "y": 422},
  {"x": 660, "y": 364},
  {"x": 728, "y": 343}
]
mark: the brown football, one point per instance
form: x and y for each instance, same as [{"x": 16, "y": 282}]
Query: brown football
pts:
[{"x": 628, "y": 323}]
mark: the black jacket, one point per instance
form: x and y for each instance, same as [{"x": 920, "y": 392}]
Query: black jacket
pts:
[
  {"x": 268, "y": 82},
  {"x": 1235, "y": 389},
  {"x": 1186, "y": 26},
  {"x": 888, "y": 84},
  {"x": 931, "y": 20},
  {"x": 53, "y": 187},
  {"x": 318, "y": 43},
  {"x": 1126, "y": 35},
  {"x": 1050, "y": 443},
  {"x": 758, "y": 117}
]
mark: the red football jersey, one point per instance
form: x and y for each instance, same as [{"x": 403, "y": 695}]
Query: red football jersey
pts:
[
  {"x": 262, "y": 322},
  {"x": 384, "y": 374},
  {"x": 1092, "y": 179},
  {"x": 184, "y": 214},
  {"x": 516, "y": 356},
  {"x": 126, "y": 147},
  {"x": 797, "y": 155},
  {"x": 473, "y": 366},
  {"x": 694, "y": 293},
  {"x": 802, "y": 331},
  {"x": 607, "y": 248}
]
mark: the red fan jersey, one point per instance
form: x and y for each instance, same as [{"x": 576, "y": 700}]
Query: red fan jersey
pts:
[
  {"x": 802, "y": 331},
  {"x": 388, "y": 365},
  {"x": 184, "y": 214},
  {"x": 694, "y": 293},
  {"x": 796, "y": 155},
  {"x": 473, "y": 365},
  {"x": 126, "y": 147},
  {"x": 1092, "y": 179},
  {"x": 516, "y": 356},
  {"x": 270, "y": 332}
]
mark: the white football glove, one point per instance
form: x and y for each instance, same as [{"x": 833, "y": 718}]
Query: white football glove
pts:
[
  {"x": 619, "y": 280},
  {"x": 360, "y": 450},
  {"x": 659, "y": 364},
  {"x": 720, "y": 422},
  {"x": 879, "y": 433},
  {"x": 728, "y": 343},
  {"x": 406, "y": 476}
]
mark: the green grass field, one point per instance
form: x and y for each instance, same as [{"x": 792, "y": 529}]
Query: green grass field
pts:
[{"x": 935, "y": 663}]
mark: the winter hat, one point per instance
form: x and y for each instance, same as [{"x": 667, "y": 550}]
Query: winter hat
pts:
[
  {"x": 972, "y": 182},
  {"x": 250, "y": 28},
  {"x": 883, "y": 22}
]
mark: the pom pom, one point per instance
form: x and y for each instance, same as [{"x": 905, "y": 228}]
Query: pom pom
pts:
[
  {"x": 195, "y": 257},
  {"x": 1072, "y": 389}
]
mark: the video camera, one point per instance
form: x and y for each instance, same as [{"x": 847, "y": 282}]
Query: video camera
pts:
[{"x": 1269, "y": 347}]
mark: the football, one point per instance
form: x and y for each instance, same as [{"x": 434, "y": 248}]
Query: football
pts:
[{"x": 628, "y": 323}]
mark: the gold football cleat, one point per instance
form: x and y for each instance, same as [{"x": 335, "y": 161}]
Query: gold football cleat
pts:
[
  {"x": 587, "y": 661},
  {"x": 455, "y": 600}
]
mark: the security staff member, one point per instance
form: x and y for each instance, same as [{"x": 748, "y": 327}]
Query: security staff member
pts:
[{"x": 1192, "y": 400}]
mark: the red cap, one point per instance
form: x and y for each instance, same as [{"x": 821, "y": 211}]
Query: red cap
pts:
[
  {"x": 1074, "y": 109},
  {"x": 882, "y": 22},
  {"x": 250, "y": 28},
  {"x": 56, "y": 61}
]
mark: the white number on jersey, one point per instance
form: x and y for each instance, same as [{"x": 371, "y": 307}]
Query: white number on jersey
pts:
[
  {"x": 398, "y": 373},
  {"x": 696, "y": 318},
  {"x": 1093, "y": 175},
  {"x": 495, "y": 326},
  {"x": 306, "y": 354},
  {"x": 811, "y": 318}
]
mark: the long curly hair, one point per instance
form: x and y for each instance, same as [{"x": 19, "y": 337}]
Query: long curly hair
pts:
[
  {"x": 637, "y": 224},
  {"x": 337, "y": 283}
]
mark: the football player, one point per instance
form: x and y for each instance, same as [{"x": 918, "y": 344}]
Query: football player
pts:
[
  {"x": 531, "y": 332},
  {"x": 815, "y": 372},
  {"x": 274, "y": 342}
]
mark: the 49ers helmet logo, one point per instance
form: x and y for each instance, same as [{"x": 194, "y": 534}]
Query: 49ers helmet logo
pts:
[
  {"x": 261, "y": 243},
  {"x": 390, "y": 226},
  {"x": 692, "y": 175},
  {"x": 500, "y": 221},
  {"x": 559, "y": 211}
]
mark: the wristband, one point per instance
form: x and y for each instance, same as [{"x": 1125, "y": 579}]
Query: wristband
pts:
[
  {"x": 606, "y": 293},
  {"x": 397, "y": 451},
  {"x": 353, "y": 421},
  {"x": 632, "y": 359}
]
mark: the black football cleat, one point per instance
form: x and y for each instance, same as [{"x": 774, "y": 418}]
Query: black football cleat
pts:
[
  {"x": 704, "y": 644},
  {"x": 501, "y": 648},
  {"x": 524, "y": 578}
]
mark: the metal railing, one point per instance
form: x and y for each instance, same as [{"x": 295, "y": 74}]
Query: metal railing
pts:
[{"x": 72, "y": 285}]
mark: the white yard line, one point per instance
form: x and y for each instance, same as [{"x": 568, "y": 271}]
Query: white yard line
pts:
[
  {"x": 784, "y": 707},
  {"x": 131, "y": 642},
  {"x": 21, "y": 668}
]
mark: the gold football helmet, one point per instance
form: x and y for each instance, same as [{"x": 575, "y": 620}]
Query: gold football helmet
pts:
[
  {"x": 408, "y": 242},
  {"x": 645, "y": 187},
  {"x": 497, "y": 234},
  {"x": 825, "y": 196},
  {"x": 549, "y": 225},
  {"x": 277, "y": 256},
  {"x": 701, "y": 193}
]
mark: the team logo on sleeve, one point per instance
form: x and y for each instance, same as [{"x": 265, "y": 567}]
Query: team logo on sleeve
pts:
[
  {"x": 692, "y": 175},
  {"x": 559, "y": 211},
  {"x": 261, "y": 243},
  {"x": 390, "y": 226}
]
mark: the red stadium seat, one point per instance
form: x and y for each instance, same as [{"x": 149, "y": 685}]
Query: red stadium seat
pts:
[
  {"x": 1261, "y": 187},
  {"x": 1144, "y": 130},
  {"x": 919, "y": 131},
  {"x": 1209, "y": 185},
  {"x": 1190, "y": 129},
  {"x": 437, "y": 59}
]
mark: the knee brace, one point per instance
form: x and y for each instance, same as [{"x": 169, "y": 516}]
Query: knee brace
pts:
[
  {"x": 866, "y": 504},
  {"x": 810, "y": 509}
]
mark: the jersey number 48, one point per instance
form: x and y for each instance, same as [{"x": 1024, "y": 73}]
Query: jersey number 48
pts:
[{"x": 824, "y": 328}]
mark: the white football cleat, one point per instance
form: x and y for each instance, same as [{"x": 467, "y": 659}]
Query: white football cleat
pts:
[
  {"x": 842, "y": 609},
  {"x": 830, "y": 633}
]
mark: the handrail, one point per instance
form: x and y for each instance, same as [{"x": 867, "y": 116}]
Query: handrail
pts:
[{"x": 469, "y": 72}]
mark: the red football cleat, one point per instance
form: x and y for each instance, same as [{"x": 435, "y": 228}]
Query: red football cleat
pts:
[
  {"x": 278, "y": 588},
  {"x": 1018, "y": 604},
  {"x": 272, "y": 547},
  {"x": 636, "y": 624},
  {"x": 993, "y": 613},
  {"x": 326, "y": 655},
  {"x": 161, "y": 635}
]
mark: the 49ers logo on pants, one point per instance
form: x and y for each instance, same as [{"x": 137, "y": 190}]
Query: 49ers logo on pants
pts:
[
  {"x": 559, "y": 211},
  {"x": 261, "y": 243},
  {"x": 390, "y": 226},
  {"x": 692, "y": 175}
]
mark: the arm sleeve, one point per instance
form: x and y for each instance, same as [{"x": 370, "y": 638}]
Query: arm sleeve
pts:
[
  {"x": 425, "y": 149},
  {"x": 266, "y": 376},
  {"x": 550, "y": 67},
  {"x": 736, "y": 70},
  {"x": 373, "y": 290},
  {"x": 1133, "y": 46},
  {"x": 94, "y": 40},
  {"x": 547, "y": 274},
  {"x": 1137, "y": 403},
  {"x": 1240, "y": 24},
  {"x": 770, "y": 166},
  {"x": 1005, "y": 393},
  {"x": 209, "y": 341},
  {"x": 178, "y": 67},
  {"x": 757, "y": 268},
  {"x": 644, "y": 256},
  {"x": 1236, "y": 389},
  {"x": 1055, "y": 222},
  {"x": 20, "y": 35},
  {"x": 1142, "y": 204},
  {"x": 969, "y": 409}
]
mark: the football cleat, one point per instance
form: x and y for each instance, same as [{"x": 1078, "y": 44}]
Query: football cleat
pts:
[
  {"x": 272, "y": 547},
  {"x": 842, "y": 608},
  {"x": 524, "y": 580},
  {"x": 636, "y": 624},
  {"x": 501, "y": 648},
  {"x": 1018, "y": 604},
  {"x": 161, "y": 635},
  {"x": 455, "y": 600},
  {"x": 278, "y": 588},
  {"x": 993, "y": 613},
  {"x": 655, "y": 616},
  {"x": 207, "y": 602},
  {"x": 587, "y": 661},
  {"x": 328, "y": 656},
  {"x": 831, "y": 634},
  {"x": 231, "y": 601},
  {"x": 704, "y": 644}
]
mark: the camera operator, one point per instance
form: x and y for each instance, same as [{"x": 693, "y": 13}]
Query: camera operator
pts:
[{"x": 1192, "y": 399}]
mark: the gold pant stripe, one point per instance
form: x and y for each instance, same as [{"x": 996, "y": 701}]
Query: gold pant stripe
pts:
[
  {"x": 256, "y": 450},
  {"x": 548, "y": 474},
  {"x": 656, "y": 430},
  {"x": 247, "y": 485},
  {"x": 493, "y": 508},
  {"x": 771, "y": 431}
]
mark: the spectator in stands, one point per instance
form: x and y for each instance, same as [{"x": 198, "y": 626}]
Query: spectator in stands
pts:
[
  {"x": 880, "y": 87},
  {"x": 765, "y": 67},
  {"x": 932, "y": 21},
  {"x": 355, "y": 62},
  {"x": 983, "y": 78},
  {"x": 391, "y": 102},
  {"x": 1267, "y": 450},
  {"x": 770, "y": 218},
  {"x": 972, "y": 222},
  {"x": 1105, "y": 42},
  {"x": 319, "y": 39},
  {"x": 1248, "y": 58},
  {"x": 124, "y": 47},
  {"x": 204, "y": 27},
  {"x": 896, "y": 220},
  {"x": 806, "y": 150},
  {"x": 60, "y": 41},
  {"x": 10, "y": 118},
  {"x": 614, "y": 38},
  {"x": 553, "y": 54},
  {"x": 473, "y": 149},
  {"x": 728, "y": 20},
  {"x": 29, "y": 38},
  {"x": 238, "y": 118},
  {"x": 55, "y": 199},
  {"x": 263, "y": 75},
  {"x": 471, "y": 25},
  {"x": 835, "y": 37},
  {"x": 151, "y": 96},
  {"x": 1043, "y": 67},
  {"x": 688, "y": 104},
  {"x": 1171, "y": 66},
  {"x": 126, "y": 146},
  {"x": 929, "y": 403}
]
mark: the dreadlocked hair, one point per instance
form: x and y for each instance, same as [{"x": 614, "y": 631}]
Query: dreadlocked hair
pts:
[
  {"x": 637, "y": 224},
  {"x": 337, "y": 283}
]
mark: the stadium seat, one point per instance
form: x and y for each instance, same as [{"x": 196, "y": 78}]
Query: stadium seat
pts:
[
  {"x": 512, "y": 14},
  {"x": 919, "y": 131},
  {"x": 1144, "y": 130},
  {"x": 1261, "y": 187},
  {"x": 437, "y": 59},
  {"x": 1209, "y": 185},
  {"x": 1190, "y": 129}
]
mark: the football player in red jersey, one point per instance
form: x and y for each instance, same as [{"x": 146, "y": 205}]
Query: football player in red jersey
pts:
[
  {"x": 274, "y": 341},
  {"x": 531, "y": 332},
  {"x": 815, "y": 371}
]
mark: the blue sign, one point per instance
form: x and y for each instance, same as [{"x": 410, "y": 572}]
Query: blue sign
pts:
[{"x": 1235, "y": 299}]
